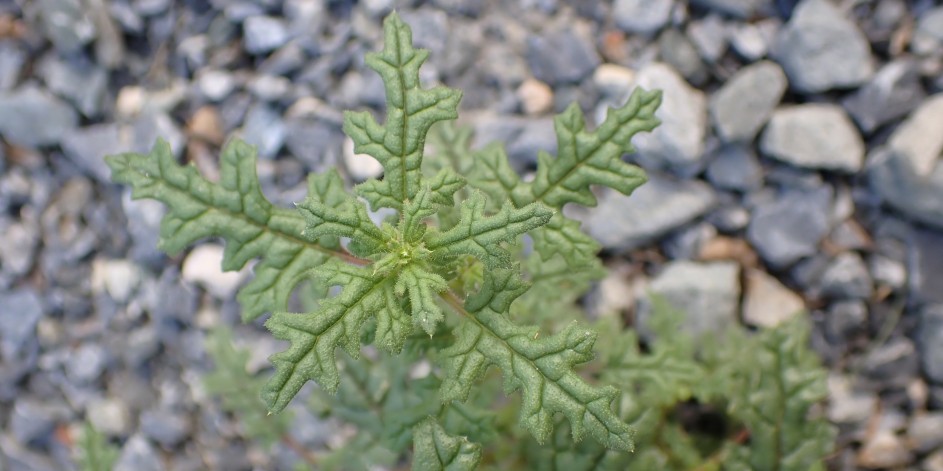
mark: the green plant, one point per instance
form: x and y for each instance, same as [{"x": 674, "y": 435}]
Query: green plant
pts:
[{"x": 458, "y": 289}]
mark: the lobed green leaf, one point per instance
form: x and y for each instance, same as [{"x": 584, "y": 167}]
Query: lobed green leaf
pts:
[
  {"x": 233, "y": 209},
  {"x": 436, "y": 450}
]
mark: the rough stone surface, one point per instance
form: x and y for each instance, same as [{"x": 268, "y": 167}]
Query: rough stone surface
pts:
[
  {"x": 791, "y": 226},
  {"x": 707, "y": 292},
  {"x": 679, "y": 140},
  {"x": 847, "y": 277},
  {"x": 820, "y": 49},
  {"x": 892, "y": 176},
  {"x": 744, "y": 104},
  {"x": 20, "y": 328},
  {"x": 930, "y": 338},
  {"x": 814, "y": 136},
  {"x": 659, "y": 206},
  {"x": 735, "y": 167},
  {"x": 738, "y": 8},
  {"x": 264, "y": 33},
  {"x": 919, "y": 138},
  {"x": 33, "y": 117}
]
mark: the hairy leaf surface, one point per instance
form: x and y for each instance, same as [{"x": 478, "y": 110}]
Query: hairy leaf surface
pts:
[
  {"x": 481, "y": 236},
  {"x": 233, "y": 209},
  {"x": 542, "y": 368},
  {"x": 411, "y": 111},
  {"x": 436, "y": 450}
]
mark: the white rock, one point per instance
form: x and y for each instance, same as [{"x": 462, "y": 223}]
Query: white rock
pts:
[
  {"x": 117, "y": 277},
  {"x": 679, "y": 140},
  {"x": 536, "y": 97},
  {"x": 360, "y": 166},
  {"x": 819, "y": 136},
  {"x": 203, "y": 266},
  {"x": 744, "y": 104},
  {"x": 613, "y": 80},
  {"x": 920, "y": 137},
  {"x": 767, "y": 302}
]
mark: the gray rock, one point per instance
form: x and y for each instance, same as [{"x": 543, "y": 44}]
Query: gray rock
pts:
[
  {"x": 846, "y": 404},
  {"x": 752, "y": 41},
  {"x": 925, "y": 432},
  {"x": 214, "y": 84},
  {"x": 709, "y": 37},
  {"x": 887, "y": 271},
  {"x": 166, "y": 427},
  {"x": 22, "y": 309},
  {"x": 729, "y": 219},
  {"x": 12, "y": 59},
  {"x": 87, "y": 363},
  {"x": 791, "y": 226},
  {"x": 686, "y": 243},
  {"x": 656, "y": 208},
  {"x": 894, "y": 91},
  {"x": 33, "y": 117},
  {"x": 927, "y": 265},
  {"x": 708, "y": 294},
  {"x": 87, "y": 147},
  {"x": 269, "y": 87},
  {"x": 819, "y": 136},
  {"x": 679, "y": 140},
  {"x": 847, "y": 277},
  {"x": 138, "y": 454},
  {"x": 109, "y": 416},
  {"x": 315, "y": 143},
  {"x": 735, "y": 168},
  {"x": 746, "y": 101},
  {"x": 149, "y": 127},
  {"x": 918, "y": 137},
  {"x": 642, "y": 16},
  {"x": 884, "y": 449},
  {"x": 18, "y": 244},
  {"x": 32, "y": 422},
  {"x": 66, "y": 23},
  {"x": 892, "y": 176},
  {"x": 262, "y": 34},
  {"x": 140, "y": 346},
  {"x": 767, "y": 303},
  {"x": 930, "y": 341},
  {"x": 845, "y": 318},
  {"x": 928, "y": 36},
  {"x": 265, "y": 129},
  {"x": 80, "y": 81},
  {"x": 820, "y": 49},
  {"x": 679, "y": 52},
  {"x": 561, "y": 57},
  {"x": 892, "y": 364},
  {"x": 738, "y": 8},
  {"x": 430, "y": 29}
]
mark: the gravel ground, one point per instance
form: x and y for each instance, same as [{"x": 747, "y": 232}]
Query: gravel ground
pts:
[{"x": 799, "y": 165}]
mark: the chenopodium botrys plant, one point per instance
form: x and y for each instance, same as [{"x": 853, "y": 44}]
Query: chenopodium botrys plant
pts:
[{"x": 433, "y": 268}]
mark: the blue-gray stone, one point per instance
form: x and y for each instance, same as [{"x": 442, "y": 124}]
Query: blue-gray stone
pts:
[
  {"x": 743, "y": 105},
  {"x": 735, "y": 167},
  {"x": 930, "y": 341},
  {"x": 892, "y": 176},
  {"x": 81, "y": 81},
  {"x": 138, "y": 454},
  {"x": 642, "y": 16},
  {"x": 262, "y": 34},
  {"x": 33, "y": 117},
  {"x": 87, "y": 147},
  {"x": 847, "y": 277},
  {"x": 21, "y": 310},
  {"x": 87, "y": 363},
  {"x": 67, "y": 23},
  {"x": 927, "y": 266},
  {"x": 791, "y": 226},
  {"x": 166, "y": 427},
  {"x": 654, "y": 209},
  {"x": 561, "y": 57},
  {"x": 820, "y": 49},
  {"x": 31, "y": 422},
  {"x": 739, "y": 8},
  {"x": 265, "y": 129},
  {"x": 678, "y": 51},
  {"x": 894, "y": 91},
  {"x": 11, "y": 63},
  {"x": 708, "y": 294}
]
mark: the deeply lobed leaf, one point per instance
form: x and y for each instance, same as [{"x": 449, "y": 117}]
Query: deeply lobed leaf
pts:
[
  {"x": 540, "y": 367},
  {"x": 481, "y": 236},
  {"x": 235, "y": 210},
  {"x": 411, "y": 110}
]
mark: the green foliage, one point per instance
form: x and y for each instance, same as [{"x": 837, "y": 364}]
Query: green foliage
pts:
[
  {"x": 94, "y": 452},
  {"x": 477, "y": 269}
]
